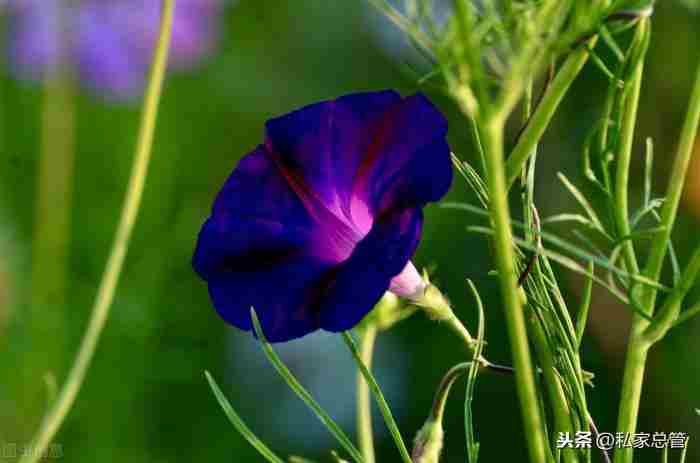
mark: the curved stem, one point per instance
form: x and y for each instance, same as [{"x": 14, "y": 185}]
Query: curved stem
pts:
[
  {"x": 451, "y": 376},
  {"x": 443, "y": 389},
  {"x": 364, "y": 405},
  {"x": 105, "y": 294}
]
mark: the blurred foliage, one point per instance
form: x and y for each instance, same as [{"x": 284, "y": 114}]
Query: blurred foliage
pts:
[{"x": 145, "y": 398}]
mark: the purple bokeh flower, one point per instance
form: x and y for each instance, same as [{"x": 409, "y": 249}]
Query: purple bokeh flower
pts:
[
  {"x": 109, "y": 42},
  {"x": 314, "y": 225}
]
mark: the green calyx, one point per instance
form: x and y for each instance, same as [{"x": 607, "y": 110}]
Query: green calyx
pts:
[
  {"x": 386, "y": 313},
  {"x": 428, "y": 442}
]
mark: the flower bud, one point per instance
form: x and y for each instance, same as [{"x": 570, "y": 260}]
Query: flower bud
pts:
[{"x": 428, "y": 443}]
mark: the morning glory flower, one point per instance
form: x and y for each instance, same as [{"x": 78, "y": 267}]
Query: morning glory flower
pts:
[
  {"x": 319, "y": 221},
  {"x": 109, "y": 43}
]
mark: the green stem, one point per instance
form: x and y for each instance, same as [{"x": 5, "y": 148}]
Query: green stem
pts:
[
  {"x": 676, "y": 183},
  {"x": 557, "y": 398},
  {"x": 364, "y": 406},
  {"x": 687, "y": 314},
  {"x": 54, "y": 192},
  {"x": 440, "y": 400},
  {"x": 51, "y": 233},
  {"x": 50, "y": 244},
  {"x": 638, "y": 346},
  {"x": 668, "y": 313},
  {"x": 633, "y": 378},
  {"x": 629, "y": 119},
  {"x": 505, "y": 259},
  {"x": 545, "y": 111},
  {"x": 105, "y": 294}
]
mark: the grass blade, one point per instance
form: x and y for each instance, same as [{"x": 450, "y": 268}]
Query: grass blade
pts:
[
  {"x": 238, "y": 423},
  {"x": 582, "y": 316},
  {"x": 303, "y": 394},
  {"x": 379, "y": 397},
  {"x": 583, "y": 202}
]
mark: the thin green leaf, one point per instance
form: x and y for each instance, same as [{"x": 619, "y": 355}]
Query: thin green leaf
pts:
[
  {"x": 563, "y": 260},
  {"x": 337, "y": 458},
  {"x": 611, "y": 277},
  {"x": 612, "y": 43},
  {"x": 402, "y": 23},
  {"x": 566, "y": 246},
  {"x": 675, "y": 266},
  {"x": 582, "y": 315},
  {"x": 600, "y": 64},
  {"x": 588, "y": 242},
  {"x": 639, "y": 235},
  {"x": 684, "y": 452},
  {"x": 238, "y": 423},
  {"x": 566, "y": 217},
  {"x": 473, "y": 179},
  {"x": 648, "y": 169},
  {"x": 688, "y": 314},
  {"x": 303, "y": 394},
  {"x": 649, "y": 207},
  {"x": 297, "y": 459},
  {"x": 379, "y": 397},
  {"x": 583, "y": 202}
]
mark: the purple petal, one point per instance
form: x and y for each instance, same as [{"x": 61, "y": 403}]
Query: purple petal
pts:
[
  {"x": 34, "y": 33},
  {"x": 409, "y": 161},
  {"x": 111, "y": 42},
  {"x": 315, "y": 225},
  {"x": 367, "y": 274},
  {"x": 408, "y": 284},
  {"x": 365, "y": 152},
  {"x": 255, "y": 210},
  {"x": 285, "y": 296},
  {"x": 107, "y": 60},
  {"x": 260, "y": 248},
  {"x": 325, "y": 144}
]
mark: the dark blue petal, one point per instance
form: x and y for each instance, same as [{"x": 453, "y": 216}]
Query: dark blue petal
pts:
[
  {"x": 325, "y": 142},
  {"x": 285, "y": 293},
  {"x": 374, "y": 148},
  {"x": 412, "y": 166},
  {"x": 255, "y": 209},
  {"x": 311, "y": 227},
  {"x": 362, "y": 280},
  {"x": 254, "y": 252}
]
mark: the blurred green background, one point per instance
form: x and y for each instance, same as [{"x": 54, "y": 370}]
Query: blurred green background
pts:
[{"x": 145, "y": 397}]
